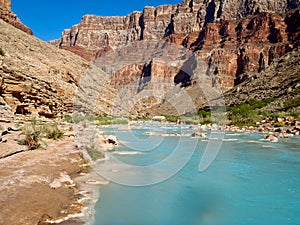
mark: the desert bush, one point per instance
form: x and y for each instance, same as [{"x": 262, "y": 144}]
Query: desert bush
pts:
[
  {"x": 247, "y": 114},
  {"x": 171, "y": 118},
  {"x": 34, "y": 133},
  {"x": 68, "y": 119},
  {"x": 93, "y": 152},
  {"x": 242, "y": 115},
  {"x": 204, "y": 114},
  {"x": 2, "y": 53},
  {"x": 258, "y": 104},
  {"x": 52, "y": 132},
  {"x": 106, "y": 120},
  {"x": 294, "y": 102}
]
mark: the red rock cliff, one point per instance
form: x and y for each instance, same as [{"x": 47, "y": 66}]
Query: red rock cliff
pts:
[{"x": 234, "y": 37}]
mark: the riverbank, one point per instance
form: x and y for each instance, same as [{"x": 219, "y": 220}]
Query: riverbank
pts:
[{"x": 49, "y": 185}]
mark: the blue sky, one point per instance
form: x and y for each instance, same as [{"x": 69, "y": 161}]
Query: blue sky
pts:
[{"x": 47, "y": 18}]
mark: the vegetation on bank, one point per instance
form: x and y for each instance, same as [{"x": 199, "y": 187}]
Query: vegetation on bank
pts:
[
  {"x": 250, "y": 113},
  {"x": 93, "y": 152},
  {"x": 291, "y": 103},
  {"x": 36, "y": 132},
  {"x": 96, "y": 119}
]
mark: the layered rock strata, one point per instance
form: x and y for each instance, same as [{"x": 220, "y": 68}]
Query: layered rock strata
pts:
[
  {"x": 35, "y": 77},
  {"x": 234, "y": 37}
]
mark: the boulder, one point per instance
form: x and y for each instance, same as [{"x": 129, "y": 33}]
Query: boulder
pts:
[{"x": 271, "y": 138}]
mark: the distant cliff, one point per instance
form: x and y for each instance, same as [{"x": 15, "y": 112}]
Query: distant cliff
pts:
[{"x": 234, "y": 37}]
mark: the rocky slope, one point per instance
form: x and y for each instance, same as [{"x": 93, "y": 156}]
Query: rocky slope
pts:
[
  {"x": 233, "y": 37},
  {"x": 8, "y": 16},
  {"x": 280, "y": 81},
  {"x": 35, "y": 77}
]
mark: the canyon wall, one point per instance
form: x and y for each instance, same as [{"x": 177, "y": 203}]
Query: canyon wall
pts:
[
  {"x": 234, "y": 37},
  {"x": 8, "y": 16}
]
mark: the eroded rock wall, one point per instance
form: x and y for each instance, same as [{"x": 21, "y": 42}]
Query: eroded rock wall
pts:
[{"x": 234, "y": 37}]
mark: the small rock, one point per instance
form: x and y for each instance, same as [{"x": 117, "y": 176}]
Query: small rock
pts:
[
  {"x": 280, "y": 120},
  {"x": 111, "y": 140},
  {"x": 289, "y": 90},
  {"x": 4, "y": 132},
  {"x": 271, "y": 138},
  {"x": 198, "y": 135}
]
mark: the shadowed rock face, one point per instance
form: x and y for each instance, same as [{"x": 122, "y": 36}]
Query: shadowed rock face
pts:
[
  {"x": 8, "y": 16},
  {"x": 234, "y": 37}
]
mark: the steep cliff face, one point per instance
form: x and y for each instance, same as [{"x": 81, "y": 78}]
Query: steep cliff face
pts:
[
  {"x": 234, "y": 49},
  {"x": 8, "y": 16},
  {"x": 96, "y": 32},
  {"x": 234, "y": 37}
]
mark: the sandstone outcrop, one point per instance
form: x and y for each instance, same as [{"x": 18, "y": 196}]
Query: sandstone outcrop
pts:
[
  {"x": 8, "y": 16},
  {"x": 35, "y": 77},
  {"x": 234, "y": 37}
]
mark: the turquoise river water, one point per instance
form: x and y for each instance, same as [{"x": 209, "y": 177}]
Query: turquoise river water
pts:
[{"x": 251, "y": 182}]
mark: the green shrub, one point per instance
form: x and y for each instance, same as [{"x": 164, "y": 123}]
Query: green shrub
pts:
[
  {"x": 294, "y": 112},
  {"x": 291, "y": 103},
  {"x": 21, "y": 142},
  {"x": 242, "y": 115},
  {"x": 258, "y": 104},
  {"x": 52, "y": 132},
  {"x": 93, "y": 152},
  {"x": 34, "y": 133},
  {"x": 247, "y": 114},
  {"x": 2, "y": 53},
  {"x": 141, "y": 118},
  {"x": 68, "y": 119},
  {"x": 106, "y": 120},
  {"x": 204, "y": 114},
  {"x": 192, "y": 119},
  {"x": 172, "y": 118}
]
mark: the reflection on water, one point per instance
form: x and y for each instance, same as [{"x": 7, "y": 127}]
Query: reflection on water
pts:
[{"x": 247, "y": 184}]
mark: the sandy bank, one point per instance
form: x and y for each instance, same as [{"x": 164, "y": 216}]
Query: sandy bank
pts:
[{"x": 38, "y": 186}]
